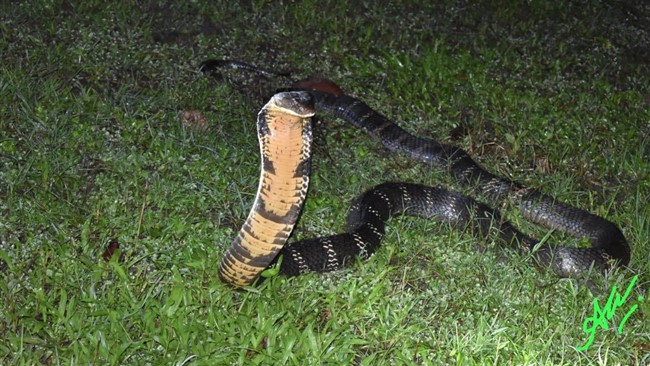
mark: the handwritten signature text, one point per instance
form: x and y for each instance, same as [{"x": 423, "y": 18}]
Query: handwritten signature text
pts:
[{"x": 601, "y": 316}]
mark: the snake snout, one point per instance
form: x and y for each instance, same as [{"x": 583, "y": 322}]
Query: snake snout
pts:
[{"x": 300, "y": 103}]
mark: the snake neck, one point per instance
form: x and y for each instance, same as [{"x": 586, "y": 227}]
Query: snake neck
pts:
[{"x": 284, "y": 134}]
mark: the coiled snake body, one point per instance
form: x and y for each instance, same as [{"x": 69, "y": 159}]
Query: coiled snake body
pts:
[{"x": 284, "y": 132}]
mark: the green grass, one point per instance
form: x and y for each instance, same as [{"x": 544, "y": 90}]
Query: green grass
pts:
[{"x": 93, "y": 151}]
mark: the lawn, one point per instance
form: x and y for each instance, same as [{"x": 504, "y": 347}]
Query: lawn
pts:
[{"x": 125, "y": 173}]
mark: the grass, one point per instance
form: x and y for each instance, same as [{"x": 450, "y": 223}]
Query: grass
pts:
[{"x": 95, "y": 149}]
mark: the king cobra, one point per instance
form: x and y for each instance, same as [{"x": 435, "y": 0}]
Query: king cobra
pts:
[{"x": 285, "y": 136}]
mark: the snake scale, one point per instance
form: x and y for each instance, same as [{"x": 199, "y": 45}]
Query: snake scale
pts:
[{"x": 284, "y": 133}]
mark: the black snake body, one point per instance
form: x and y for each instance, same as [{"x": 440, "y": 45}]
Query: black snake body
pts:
[{"x": 367, "y": 218}]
